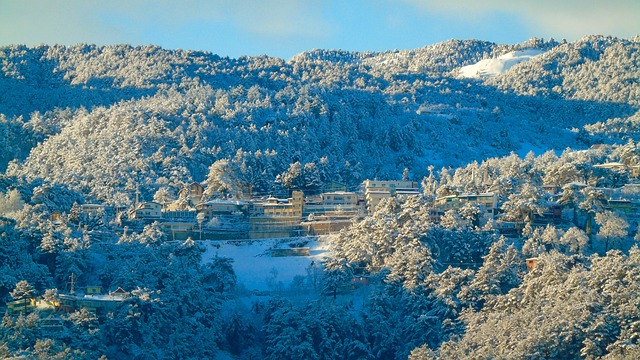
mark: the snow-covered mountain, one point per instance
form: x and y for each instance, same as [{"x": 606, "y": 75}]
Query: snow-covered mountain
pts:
[
  {"x": 418, "y": 279},
  {"x": 99, "y": 119}
]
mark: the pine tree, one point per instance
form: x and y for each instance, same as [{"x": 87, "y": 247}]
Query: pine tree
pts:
[
  {"x": 612, "y": 227},
  {"x": 23, "y": 290}
]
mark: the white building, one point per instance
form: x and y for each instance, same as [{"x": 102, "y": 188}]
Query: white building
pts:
[
  {"x": 376, "y": 190},
  {"x": 147, "y": 211}
]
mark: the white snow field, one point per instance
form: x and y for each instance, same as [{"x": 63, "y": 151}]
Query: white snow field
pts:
[
  {"x": 493, "y": 67},
  {"x": 254, "y": 266}
]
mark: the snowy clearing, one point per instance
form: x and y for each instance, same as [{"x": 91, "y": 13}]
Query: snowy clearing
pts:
[
  {"x": 254, "y": 266},
  {"x": 494, "y": 67}
]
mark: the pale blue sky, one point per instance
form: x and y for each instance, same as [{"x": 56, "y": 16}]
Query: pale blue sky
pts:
[{"x": 284, "y": 28}]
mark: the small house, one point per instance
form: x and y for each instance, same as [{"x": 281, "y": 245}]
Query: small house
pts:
[
  {"x": 195, "y": 192},
  {"x": 119, "y": 292},
  {"x": 92, "y": 210},
  {"x": 146, "y": 211},
  {"x": 93, "y": 290},
  {"x": 56, "y": 218},
  {"x": 220, "y": 207}
]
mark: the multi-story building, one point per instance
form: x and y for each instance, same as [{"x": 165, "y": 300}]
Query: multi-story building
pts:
[
  {"x": 376, "y": 190},
  {"x": 146, "y": 211},
  {"x": 220, "y": 207},
  {"x": 274, "y": 207},
  {"x": 276, "y": 217},
  {"x": 338, "y": 203},
  {"x": 488, "y": 202}
]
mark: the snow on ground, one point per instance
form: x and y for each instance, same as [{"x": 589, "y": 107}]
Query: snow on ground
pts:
[
  {"x": 254, "y": 266},
  {"x": 494, "y": 67}
]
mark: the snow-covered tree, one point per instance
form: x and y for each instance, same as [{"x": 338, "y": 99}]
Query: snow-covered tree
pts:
[
  {"x": 222, "y": 181},
  {"x": 23, "y": 290},
  {"x": 613, "y": 229},
  {"x": 10, "y": 203},
  {"x": 575, "y": 239},
  {"x": 524, "y": 205}
]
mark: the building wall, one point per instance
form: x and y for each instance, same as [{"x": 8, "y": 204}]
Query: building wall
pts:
[
  {"x": 297, "y": 201},
  {"x": 487, "y": 202},
  {"x": 371, "y": 185},
  {"x": 221, "y": 208},
  {"x": 339, "y": 198},
  {"x": 149, "y": 210},
  {"x": 376, "y": 190},
  {"x": 373, "y": 198}
]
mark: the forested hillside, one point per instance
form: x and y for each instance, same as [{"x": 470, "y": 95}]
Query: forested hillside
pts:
[
  {"x": 102, "y": 119},
  {"x": 417, "y": 278}
]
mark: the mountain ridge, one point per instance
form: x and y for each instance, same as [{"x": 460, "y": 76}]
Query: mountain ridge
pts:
[{"x": 347, "y": 116}]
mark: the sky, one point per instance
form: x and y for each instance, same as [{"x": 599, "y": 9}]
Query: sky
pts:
[{"x": 284, "y": 28}]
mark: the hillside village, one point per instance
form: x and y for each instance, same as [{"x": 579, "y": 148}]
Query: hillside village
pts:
[
  {"x": 428, "y": 214},
  {"x": 192, "y": 215}
]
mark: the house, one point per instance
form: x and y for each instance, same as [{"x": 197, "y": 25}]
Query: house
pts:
[
  {"x": 179, "y": 215},
  {"x": 274, "y": 207},
  {"x": 120, "y": 292},
  {"x": 531, "y": 263},
  {"x": 389, "y": 185},
  {"x": 95, "y": 303},
  {"x": 376, "y": 190},
  {"x": 177, "y": 230},
  {"x": 551, "y": 215},
  {"x": 487, "y": 202},
  {"x": 611, "y": 166},
  {"x": 195, "y": 192},
  {"x": 221, "y": 207},
  {"x": 92, "y": 210},
  {"x": 56, "y": 218},
  {"x": 21, "y": 306},
  {"x": 629, "y": 208},
  {"x": 276, "y": 217},
  {"x": 146, "y": 211},
  {"x": 339, "y": 198},
  {"x": 551, "y": 189},
  {"x": 334, "y": 204}
]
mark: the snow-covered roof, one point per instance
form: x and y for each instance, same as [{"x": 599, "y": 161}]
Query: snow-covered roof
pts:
[
  {"x": 223, "y": 202},
  {"x": 378, "y": 192},
  {"x": 609, "y": 165},
  {"x": 489, "y": 194},
  {"x": 578, "y": 184}
]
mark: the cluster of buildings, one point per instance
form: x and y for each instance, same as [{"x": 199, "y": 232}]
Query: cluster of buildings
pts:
[
  {"x": 299, "y": 215},
  {"x": 91, "y": 298},
  {"x": 265, "y": 217}
]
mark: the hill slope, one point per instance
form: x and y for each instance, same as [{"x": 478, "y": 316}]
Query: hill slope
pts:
[{"x": 103, "y": 119}]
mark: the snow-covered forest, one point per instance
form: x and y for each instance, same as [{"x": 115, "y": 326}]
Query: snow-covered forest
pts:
[{"x": 109, "y": 125}]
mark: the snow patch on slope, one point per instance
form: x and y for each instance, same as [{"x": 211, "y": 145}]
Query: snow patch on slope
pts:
[
  {"x": 494, "y": 67},
  {"x": 255, "y": 268}
]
